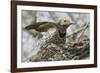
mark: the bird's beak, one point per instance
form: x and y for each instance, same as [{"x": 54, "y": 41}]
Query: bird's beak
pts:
[{"x": 72, "y": 23}]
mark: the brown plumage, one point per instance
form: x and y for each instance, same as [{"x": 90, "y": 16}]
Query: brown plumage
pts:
[{"x": 61, "y": 27}]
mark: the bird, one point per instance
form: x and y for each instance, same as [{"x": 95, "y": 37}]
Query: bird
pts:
[{"x": 61, "y": 27}]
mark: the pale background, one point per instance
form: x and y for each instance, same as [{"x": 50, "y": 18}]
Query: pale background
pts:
[{"x": 5, "y": 36}]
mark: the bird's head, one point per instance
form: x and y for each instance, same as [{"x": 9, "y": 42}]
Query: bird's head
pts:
[{"x": 66, "y": 23}]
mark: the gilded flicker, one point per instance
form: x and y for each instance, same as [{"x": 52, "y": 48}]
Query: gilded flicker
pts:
[{"x": 61, "y": 28}]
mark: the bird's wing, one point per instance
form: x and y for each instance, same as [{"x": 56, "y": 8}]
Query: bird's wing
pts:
[{"x": 41, "y": 26}]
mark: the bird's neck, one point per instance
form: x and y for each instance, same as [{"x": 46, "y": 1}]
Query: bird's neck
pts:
[
  {"x": 65, "y": 26},
  {"x": 62, "y": 30}
]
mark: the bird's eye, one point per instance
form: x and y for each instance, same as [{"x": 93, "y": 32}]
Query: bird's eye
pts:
[{"x": 64, "y": 20}]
